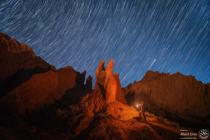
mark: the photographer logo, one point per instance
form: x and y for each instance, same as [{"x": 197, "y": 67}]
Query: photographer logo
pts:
[{"x": 203, "y": 134}]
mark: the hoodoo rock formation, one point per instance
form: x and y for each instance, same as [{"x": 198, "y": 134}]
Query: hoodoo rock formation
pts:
[
  {"x": 109, "y": 85},
  {"x": 109, "y": 82}
]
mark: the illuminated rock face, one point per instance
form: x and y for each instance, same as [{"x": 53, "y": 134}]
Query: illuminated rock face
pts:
[
  {"x": 176, "y": 94},
  {"x": 109, "y": 82},
  {"x": 121, "y": 111},
  {"x": 100, "y": 74}
]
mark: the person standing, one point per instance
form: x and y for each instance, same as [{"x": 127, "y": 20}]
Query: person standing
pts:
[{"x": 141, "y": 108}]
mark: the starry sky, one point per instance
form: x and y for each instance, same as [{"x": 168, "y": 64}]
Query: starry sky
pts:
[{"x": 140, "y": 35}]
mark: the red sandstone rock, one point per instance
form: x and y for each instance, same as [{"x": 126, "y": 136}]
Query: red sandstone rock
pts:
[
  {"x": 27, "y": 82},
  {"x": 41, "y": 89},
  {"x": 99, "y": 114},
  {"x": 106, "y": 128},
  {"x": 121, "y": 111},
  {"x": 177, "y": 94},
  {"x": 109, "y": 81},
  {"x": 103, "y": 99},
  {"x": 15, "y": 56},
  {"x": 66, "y": 79}
]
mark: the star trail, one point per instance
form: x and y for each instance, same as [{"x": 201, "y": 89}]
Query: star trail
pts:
[{"x": 140, "y": 35}]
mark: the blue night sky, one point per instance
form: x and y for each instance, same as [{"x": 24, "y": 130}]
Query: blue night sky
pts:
[{"x": 141, "y": 35}]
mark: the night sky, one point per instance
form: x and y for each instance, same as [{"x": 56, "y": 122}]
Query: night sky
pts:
[{"x": 141, "y": 35}]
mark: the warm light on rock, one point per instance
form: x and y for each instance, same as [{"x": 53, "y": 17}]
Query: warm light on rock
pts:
[
  {"x": 121, "y": 111},
  {"x": 109, "y": 82}
]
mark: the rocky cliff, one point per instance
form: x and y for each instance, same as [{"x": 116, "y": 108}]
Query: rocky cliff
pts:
[
  {"x": 27, "y": 82},
  {"x": 175, "y": 94},
  {"x": 15, "y": 56}
]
